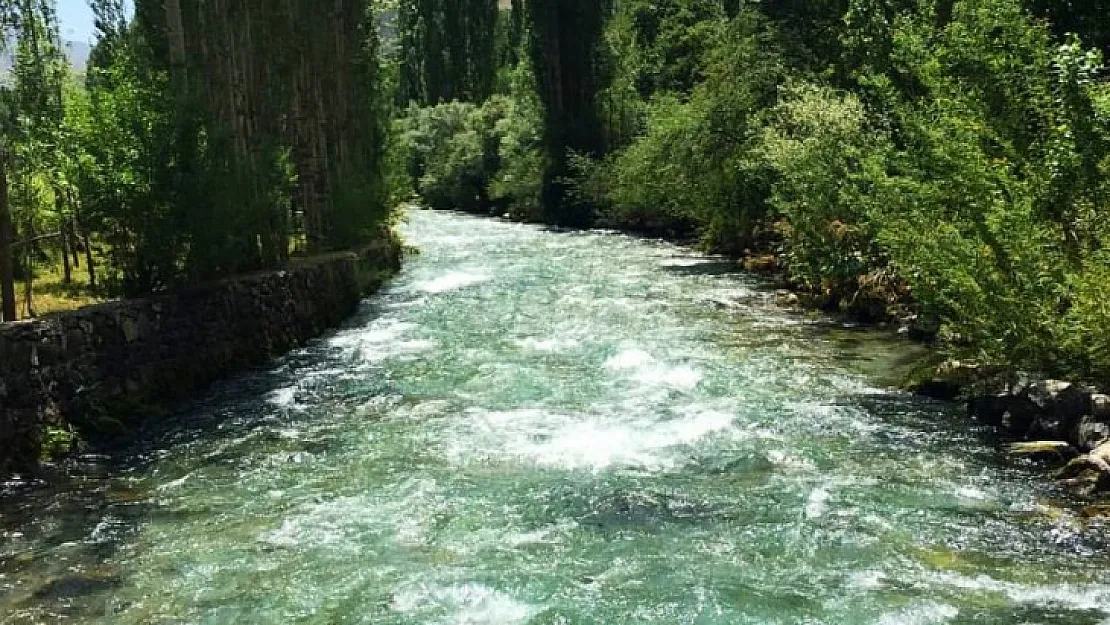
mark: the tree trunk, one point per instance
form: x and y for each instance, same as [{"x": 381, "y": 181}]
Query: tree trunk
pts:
[
  {"x": 73, "y": 243},
  {"x": 943, "y": 14},
  {"x": 29, "y": 279},
  {"x": 89, "y": 261},
  {"x": 7, "y": 278},
  {"x": 175, "y": 30},
  {"x": 67, "y": 270}
]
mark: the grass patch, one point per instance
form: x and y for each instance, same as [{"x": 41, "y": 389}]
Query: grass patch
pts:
[{"x": 50, "y": 293}]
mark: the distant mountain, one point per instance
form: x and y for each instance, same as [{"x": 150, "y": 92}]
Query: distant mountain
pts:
[{"x": 77, "y": 54}]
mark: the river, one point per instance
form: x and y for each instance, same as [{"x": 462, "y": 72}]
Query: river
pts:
[{"x": 558, "y": 428}]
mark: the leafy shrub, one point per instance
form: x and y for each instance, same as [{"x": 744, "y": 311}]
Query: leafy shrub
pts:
[
  {"x": 475, "y": 158},
  {"x": 518, "y": 184},
  {"x": 823, "y": 155},
  {"x": 690, "y": 170}
]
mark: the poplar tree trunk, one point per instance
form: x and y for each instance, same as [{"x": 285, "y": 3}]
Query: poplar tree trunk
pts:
[
  {"x": 89, "y": 262},
  {"x": 29, "y": 279},
  {"x": 175, "y": 29},
  {"x": 67, "y": 270},
  {"x": 73, "y": 245},
  {"x": 7, "y": 277}
]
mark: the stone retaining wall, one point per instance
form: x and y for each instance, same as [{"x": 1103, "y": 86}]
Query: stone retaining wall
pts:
[{"x": 96, "y": 371}]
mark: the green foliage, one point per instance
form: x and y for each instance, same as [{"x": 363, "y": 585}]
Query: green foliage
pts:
[
  {"x": 483, "y": 159},
  {"x": 449, "y": 161},
  {"x": 950, "y": 158},
  {"x": 58, "y": 442},
  {"x": 661, "y": 46},
  {"x": 824, "y": 159},
  {"x": 701, "y": 146},
  {"x": 122, "y": 130},
  {"x": 517, "y": 186},
  {"x": 207, "y": 139}
]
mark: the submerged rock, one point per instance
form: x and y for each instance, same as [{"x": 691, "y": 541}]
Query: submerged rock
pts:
[
  {"x": 1016, "y": 413},
  {"x": 1097, "y": 511},
  {"x": 78, "y": 585},
  {"x": 1101, "y": 455},
  {"x": 989, "y": 409},
  {"x": 938, "y": 388}
]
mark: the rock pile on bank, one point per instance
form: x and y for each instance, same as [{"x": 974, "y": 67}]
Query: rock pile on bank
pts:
[{"x": 1070, "y": 422}]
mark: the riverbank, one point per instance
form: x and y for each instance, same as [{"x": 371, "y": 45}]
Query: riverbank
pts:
[{"x": 87, "y": 377}]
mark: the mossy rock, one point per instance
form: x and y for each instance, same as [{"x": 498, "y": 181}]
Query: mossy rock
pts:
[
  {"x": 1048, "y": 451},
  {"x": 59, "y": 442},
  {"x": 1096, "y": 511}
]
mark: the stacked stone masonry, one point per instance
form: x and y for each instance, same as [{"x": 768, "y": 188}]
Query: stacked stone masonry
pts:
[{"x": 98, "y": 370}]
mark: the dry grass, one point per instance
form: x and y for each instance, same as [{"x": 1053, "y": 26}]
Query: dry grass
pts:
[{"x": 50, "y": 294}]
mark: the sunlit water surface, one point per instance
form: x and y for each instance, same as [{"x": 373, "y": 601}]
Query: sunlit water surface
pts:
[{"x": 558, "y": 428}]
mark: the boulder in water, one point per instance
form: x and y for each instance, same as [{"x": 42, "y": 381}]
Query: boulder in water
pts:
[
  {"x": 78, "y": 585},
  {"x": 1100, "y": 407},
  {"x": 1091, "y": 432},
  {"x": 989, "y": 409},
  {"x": 1101, "y": 454},
  {"x": 1097, "y": 511},
  {"x": 1090, "y": 473}
]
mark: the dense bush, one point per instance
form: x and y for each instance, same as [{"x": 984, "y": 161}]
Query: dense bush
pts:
[
  {"x": 953, "y": 165},
  {"x": 478, "y": 158}
]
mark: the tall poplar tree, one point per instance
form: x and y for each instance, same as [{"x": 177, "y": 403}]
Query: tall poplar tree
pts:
[
  {"x": 448, "y": 50},
  {"x": 566, "y": 49}
]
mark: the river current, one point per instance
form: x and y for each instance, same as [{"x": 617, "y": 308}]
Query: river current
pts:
[{"x": 543, "y": 428}]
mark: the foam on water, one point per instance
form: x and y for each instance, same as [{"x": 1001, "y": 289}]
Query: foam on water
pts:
[
  {"x": 548, "y": 346},
  {"x": 686, "y": 262},
  {"x": 283, "y": 397},
  {"x": 629, "y": 359},
  {"x": 817, "y": 503},
  {"x": 384, "y": 339},
  {"x": 1079, "y": 597},
  {"x": 571, "y": 441},
  {"x": 921, "y": 614},
  {"x": 463, "y": 604},
  {"x": 452, "y": 281}
]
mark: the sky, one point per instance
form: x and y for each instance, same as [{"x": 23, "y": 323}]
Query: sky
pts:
[{"x": 75, "y": 20}]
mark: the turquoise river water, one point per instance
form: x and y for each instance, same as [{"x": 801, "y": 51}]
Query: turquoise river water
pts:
[{"x": 531, "y": 427}]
